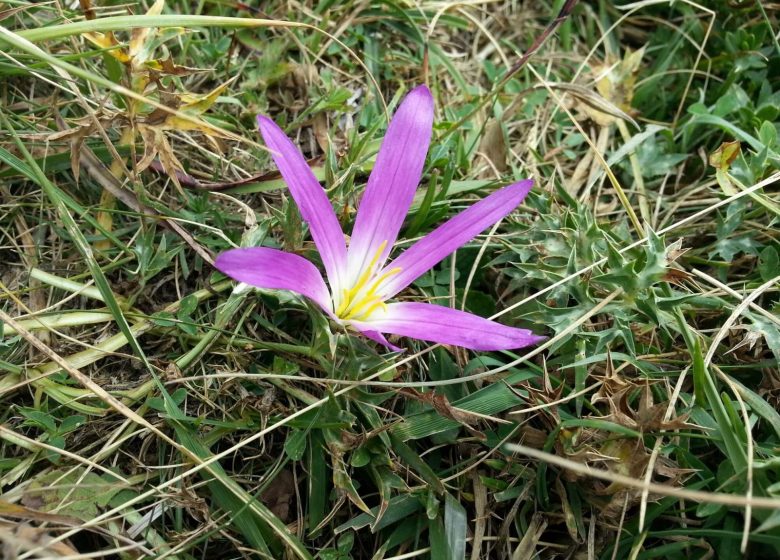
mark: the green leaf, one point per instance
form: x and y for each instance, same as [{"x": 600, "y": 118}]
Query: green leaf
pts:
[
  {"x": 399, "y": 508},
  {"x": 159, "y": 404},
  {"x": 597, "y": 424},
  {"x": 40, "y": 419},
  {"x": 15, "y": 163},
  {"x": 455, "y": 526},
  {"x": 768, "y": 263},
  {"x": 492, "y": 399},
  {"x": 360, "y": 457},
  {"x": 759, "y": 406},
  {"x": 768, "y": 134},
  {"x": 73, "y": 492},
  {"x": 772, "y": 522},
  {"x": 295, "y": 444},
  {"x": 768, "y": 330},
  {"x": 656, "y": 158},
  {"x": 437, "y": 538},
  {"x": 425, "y": 207},
  {"x": 188, "y": 305},
  {"x": 707, "y": 397},
  {"x": 318, "y": 483},
  {"x": 71, "y": 423},
  {"x": 411, "y": 458},
  {"x": 186, "y": 325},
  {"x": 164, "y": 319}
]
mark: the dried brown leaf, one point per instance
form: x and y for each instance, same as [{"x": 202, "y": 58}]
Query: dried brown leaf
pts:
[
  {"x": 21, "y": 538},
  {"x": 86, "y": 7},
  {"x": 108, "y": 42},
  {"x": 5, "y": 14},
  {"x": 526, "y": 550},
  {"x": 601, "y": 110},
  {"x": 493, "y": 148},
  {"x": 615, "y": 86},
  {"x": 167, "y": 67},
  {"x": 320, "y": 127},
  {"x": 140, "y": 36},
  {"x": 724, "y": 156},
  {"x": 613, "y": 385},
  {"x": 442, "y": 405},
  {"x": 279, "y": 494}
]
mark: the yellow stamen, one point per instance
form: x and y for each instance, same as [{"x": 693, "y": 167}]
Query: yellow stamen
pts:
[
  {"x": 376, "y": 305},
  {"x": 355, "y": 310},
  {"x": 361, "y": 299},
  {"x": 370, "y": 300},
  {"x": 363, "y": 278},
  {"x": 344, "y": 302},
  {"x": 378, "y": 254},
  {"x": 380, "y": 279}
]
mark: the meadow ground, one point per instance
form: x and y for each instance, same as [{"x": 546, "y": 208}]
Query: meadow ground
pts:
[{"x": 149, "y": 410}]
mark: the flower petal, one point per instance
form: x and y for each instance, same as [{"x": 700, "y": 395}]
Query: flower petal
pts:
[
  {"x": 457, "y": 231},
  {"x": 272, "y": 269},
  {"x": 393, "y": 181},
  {"x": 376, "y": 336},
  {"x": 311, "y": 200},
  {"x": 445, "y": 325}
]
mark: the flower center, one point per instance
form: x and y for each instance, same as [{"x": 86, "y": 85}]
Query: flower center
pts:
[{"x": 361, "y": 300}]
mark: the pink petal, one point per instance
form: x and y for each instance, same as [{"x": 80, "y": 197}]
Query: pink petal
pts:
[
  {"x": 376, "y": 336},
  {"x": 311, "y": 199},
  {"x": 393, "y": 181},
  {"x": 444, "y": 325},
  {"x": 272, "y": 269},
  {"x": 457, "y": 231}
]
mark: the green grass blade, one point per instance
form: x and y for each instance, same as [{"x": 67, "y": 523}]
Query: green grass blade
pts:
[{"x": 707, "y": 396}]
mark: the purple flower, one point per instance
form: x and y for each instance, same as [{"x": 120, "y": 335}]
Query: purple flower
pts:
[{"x": 361, "y": 280}]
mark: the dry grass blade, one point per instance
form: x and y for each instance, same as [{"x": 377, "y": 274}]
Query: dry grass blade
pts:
[{"x": 650, "y": 487}]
